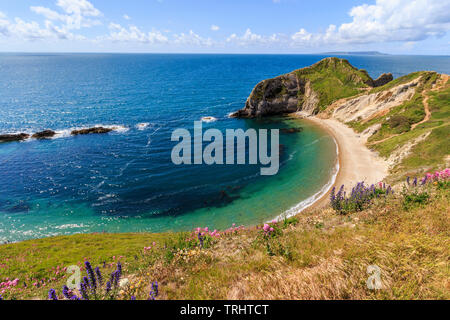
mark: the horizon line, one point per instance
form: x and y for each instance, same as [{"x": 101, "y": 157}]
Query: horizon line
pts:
[{"x": 341, "y": 53}]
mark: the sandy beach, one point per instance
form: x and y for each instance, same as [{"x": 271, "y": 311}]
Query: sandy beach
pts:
[{"x": 356, "y": 162}]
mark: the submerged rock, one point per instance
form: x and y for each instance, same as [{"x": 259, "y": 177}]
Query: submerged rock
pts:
[
  {"x": 13, "y": 137},
  {"x": 95, "y": 130},
  {"x": 44, "y": 134},
  {"x": 291, "y": 130}
]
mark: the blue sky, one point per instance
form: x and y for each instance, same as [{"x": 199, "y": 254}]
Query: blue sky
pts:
[{"x": 226, "y": 26}]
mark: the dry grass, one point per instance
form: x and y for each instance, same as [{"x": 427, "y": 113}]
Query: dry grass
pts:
[
  {"x": 321, "y": 256},
  {"x": 326, "y": 257}
]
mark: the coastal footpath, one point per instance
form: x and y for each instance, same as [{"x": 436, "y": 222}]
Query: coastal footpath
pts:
[{"x": 391, "y": 133}]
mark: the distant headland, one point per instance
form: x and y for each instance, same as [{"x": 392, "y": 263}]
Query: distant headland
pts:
[{"x": 356, "y": 53}]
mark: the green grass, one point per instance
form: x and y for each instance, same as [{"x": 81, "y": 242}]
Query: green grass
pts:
[
  {"x": 32, "y": 261},
  {"x": 430, "y": 153},
  {"x": 334, "y": 79},
  {"x": 318, "y": 255},
  {"x": 440, "y": 104}
]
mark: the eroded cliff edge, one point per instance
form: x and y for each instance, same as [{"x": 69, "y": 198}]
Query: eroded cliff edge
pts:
[{"x": 310, "y": 89}]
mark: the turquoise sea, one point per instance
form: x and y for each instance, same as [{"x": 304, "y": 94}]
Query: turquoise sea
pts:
[{"x": 125, "y": 181}]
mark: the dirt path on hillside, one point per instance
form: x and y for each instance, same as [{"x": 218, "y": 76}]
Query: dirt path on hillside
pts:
[
  {"x": 383, "y": 140},
  {"x": 441, "y": 83}
]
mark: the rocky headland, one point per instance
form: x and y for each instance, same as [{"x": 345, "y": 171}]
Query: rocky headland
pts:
[{"x": 309, "y": 90}]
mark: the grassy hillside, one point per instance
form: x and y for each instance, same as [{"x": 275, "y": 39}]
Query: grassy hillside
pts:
[
  {"x": 397, "y": 126},
  {"x": 333, "y": 79},
  {"x": 318, "y": 255}
]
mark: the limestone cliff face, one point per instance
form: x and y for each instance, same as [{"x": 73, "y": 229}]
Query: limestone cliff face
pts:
[
  {"x": 308, "y": 89},
  {"x": 368, "y": 106}
]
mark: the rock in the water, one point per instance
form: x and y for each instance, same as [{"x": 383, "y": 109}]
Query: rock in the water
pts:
[
  {"x": 96, "y": 130},
  {"x": 13, "y": 137},
  {"x": 291, "y": 130},
  {"x": 383, "y": 79},
  {"x": 44, "y": 134}
]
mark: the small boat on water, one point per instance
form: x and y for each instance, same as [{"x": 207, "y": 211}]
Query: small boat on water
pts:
[{"x": 209, "y": 119}]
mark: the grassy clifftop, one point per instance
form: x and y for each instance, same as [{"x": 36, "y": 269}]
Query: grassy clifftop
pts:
[
  {"x": 318, "y": 255},
  {"x": 310, "y": 89},
  {"x": 333, "y": 79}
]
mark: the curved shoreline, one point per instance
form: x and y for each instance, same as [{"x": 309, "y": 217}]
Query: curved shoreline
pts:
[
  {"x": 355, "y": 163},
  {"x": 318, "y": 196}
]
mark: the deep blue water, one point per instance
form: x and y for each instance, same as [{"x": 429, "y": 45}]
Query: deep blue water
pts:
[{"x": 125, "y": 181}]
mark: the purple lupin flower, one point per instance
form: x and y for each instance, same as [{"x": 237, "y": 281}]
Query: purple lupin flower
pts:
[
  {"x": 52, "y": 294},
  {"x": 201, "y": 239},
  {"x": 67, "y": 293},
  {"x": 83, "y": 291},
  {"x": 333, "y": 195},
  {"x": 99, "y": 276},
  {"x": 1, "y": 298},
  {"x": 133, "y": 298},
  {"x": 86, "y": 282},
  {"x": 119, "y": 269},
  {"x": 90, "y": 272},
  {"x": 155, "y": 288},
  {"x": 388, "y": 190},
  {"x": 115, "y": 277},
  {"x": 154, "y": 292},
  {"x": 425, "y": 180},
  {"x": 408, "y": 180},
  {"x": 108, "y": 287},
  {"x": 415, "y": 182}
]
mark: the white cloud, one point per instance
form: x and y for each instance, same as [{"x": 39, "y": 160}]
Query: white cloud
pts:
[
  {"x": 48, "y": 13},
  {"x": 192, "y": 38},
  {"x": 406, "y": 21},
  {"x": 4, "y": 24},
  {"x": 76, "y": 13},
  {"x": 79, "y": 8},
  {"x": 385, "y": 21},
  {"x": 33, "y": 31},
  {"x": 302, "y": 36},
  {"x": 249, "y": 38},
  {"x": 73, "y": 15},
  {"x": 134, "y": 34}
]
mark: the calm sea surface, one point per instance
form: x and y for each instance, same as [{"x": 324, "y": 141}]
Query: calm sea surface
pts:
[{"x": 125, "y": 181}]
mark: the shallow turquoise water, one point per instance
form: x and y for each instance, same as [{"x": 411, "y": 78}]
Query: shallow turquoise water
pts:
[{"x": 125, "y": 181}]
